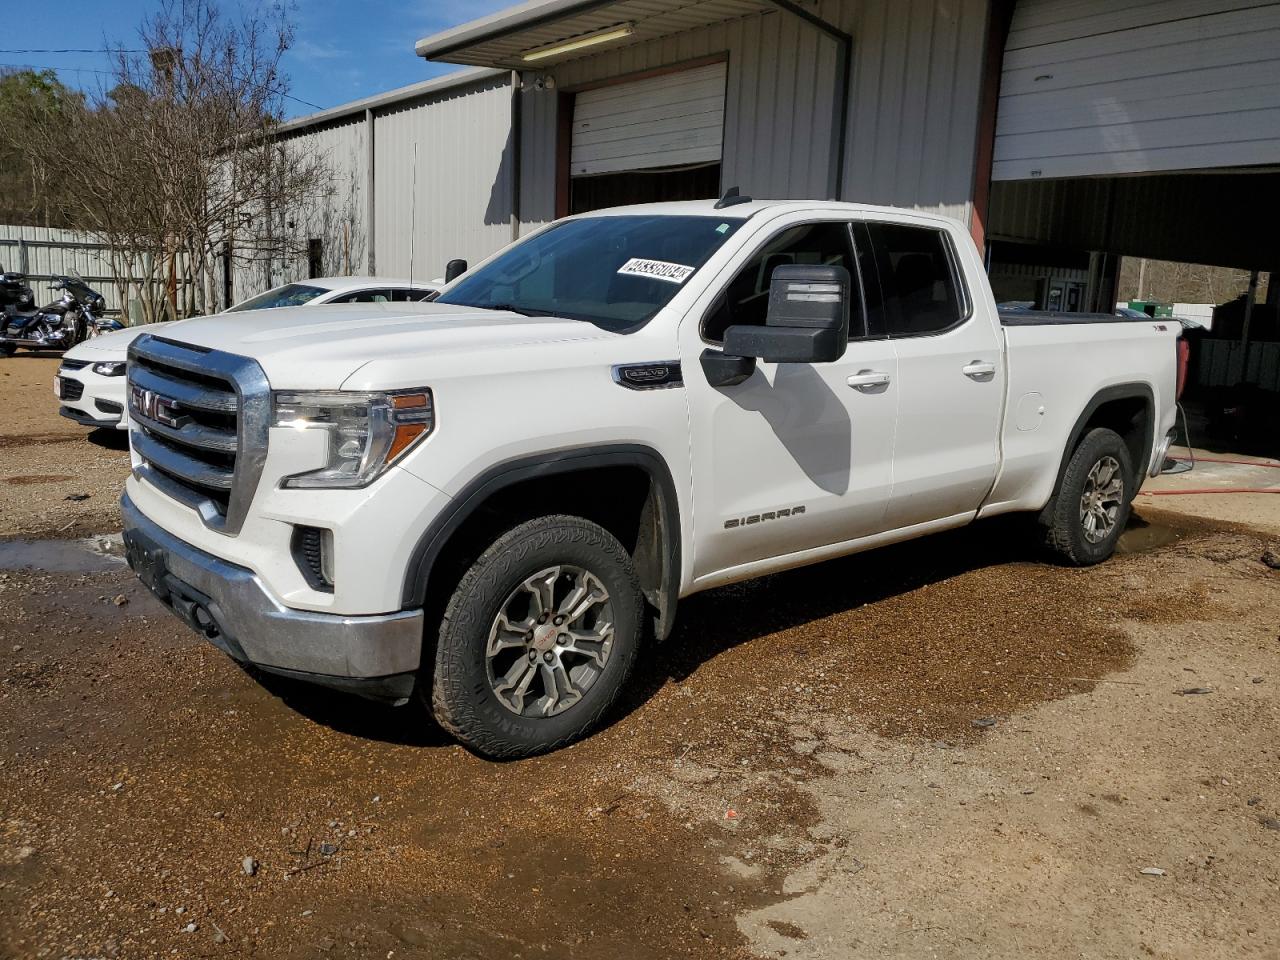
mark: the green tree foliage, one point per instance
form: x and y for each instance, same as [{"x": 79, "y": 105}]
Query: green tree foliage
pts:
[{"x": 32, "y": 104}]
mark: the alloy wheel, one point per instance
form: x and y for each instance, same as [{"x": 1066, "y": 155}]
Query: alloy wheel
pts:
[
  {"x": 550, "y": 641},
  {"x": 1101, "y": 500}
]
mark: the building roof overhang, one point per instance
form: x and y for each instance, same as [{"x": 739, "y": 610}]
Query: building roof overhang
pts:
[{"x": 507, "y": 38}]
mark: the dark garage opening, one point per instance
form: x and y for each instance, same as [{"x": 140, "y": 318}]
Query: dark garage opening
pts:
[
  {"x": 1059, "y": 244},
  {"x": 644, "y": 186}
]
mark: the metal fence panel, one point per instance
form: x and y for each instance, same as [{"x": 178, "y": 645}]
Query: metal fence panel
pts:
[{"x": 43, "y": 253}]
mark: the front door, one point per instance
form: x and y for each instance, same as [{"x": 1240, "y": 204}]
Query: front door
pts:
[{"x": 799, "y": 455}]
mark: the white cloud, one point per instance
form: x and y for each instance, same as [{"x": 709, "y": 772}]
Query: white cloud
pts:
[{"x": 307, "y": 51}]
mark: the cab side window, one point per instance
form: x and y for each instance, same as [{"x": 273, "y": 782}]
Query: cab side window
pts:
[
  {"x": 410, "y": 294},
  {"x": 920, "y": 292},
  {"x": 365, "y": 296},
  {"x": 746, "y": 298}
]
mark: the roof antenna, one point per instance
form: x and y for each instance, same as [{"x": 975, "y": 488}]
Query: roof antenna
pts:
[{"x": 731, "y": 198}]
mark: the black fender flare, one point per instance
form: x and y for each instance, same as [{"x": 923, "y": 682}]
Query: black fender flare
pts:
[
  {"x": 663, "y": 504},
  {"x": 1119, "y": 391}
]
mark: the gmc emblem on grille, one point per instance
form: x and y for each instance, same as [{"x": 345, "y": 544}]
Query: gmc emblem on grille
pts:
[{"x": 154, "y": 406}]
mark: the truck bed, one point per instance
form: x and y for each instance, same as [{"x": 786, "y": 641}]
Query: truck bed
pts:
[{"x": 1043, "y": 318}]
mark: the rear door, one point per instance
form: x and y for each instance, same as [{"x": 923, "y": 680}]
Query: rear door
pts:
[{"x": 950, "y": 376}]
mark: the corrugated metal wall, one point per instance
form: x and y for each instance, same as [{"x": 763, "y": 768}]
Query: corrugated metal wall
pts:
[
  {"x": 463, "y": 189},
  {"x": 340, "y": 222},
  {"x": 1095, "y": 87},
  {"x": 913, "y": 118},
  {"x": 337, "y": 219},
  {"x": 463, "y": 175},
  {"x": 917, "y": 72}
]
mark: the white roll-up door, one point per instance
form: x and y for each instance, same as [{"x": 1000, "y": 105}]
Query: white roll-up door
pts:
[
  {"x": 672, "y": 120},
  {"x": 1096, "y": 87}
]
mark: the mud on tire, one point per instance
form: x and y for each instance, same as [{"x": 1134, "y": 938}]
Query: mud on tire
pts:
[{"x": 537, "y": 640}]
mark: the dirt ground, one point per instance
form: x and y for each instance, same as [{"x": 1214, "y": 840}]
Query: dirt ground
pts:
[
  {"x": 946, "y": 748},
  {"x": 1219, "y": 470},
  {"x": 45, "y": 458}
]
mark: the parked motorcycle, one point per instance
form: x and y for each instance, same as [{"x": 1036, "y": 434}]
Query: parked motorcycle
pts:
[{"x": 59, "y": 325}]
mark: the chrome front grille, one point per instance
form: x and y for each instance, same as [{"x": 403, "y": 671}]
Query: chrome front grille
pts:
[{"x": 200, "y": 421}]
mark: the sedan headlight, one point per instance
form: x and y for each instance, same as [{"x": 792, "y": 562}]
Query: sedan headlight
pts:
[
  {"x": 367, "y": 431},
  {"x": 110, "y": 368}
]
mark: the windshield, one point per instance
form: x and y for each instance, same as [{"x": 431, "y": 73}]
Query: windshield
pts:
[
  {"x": 615, "y": 272},
  {"x": 74, "y": 284},
  {"x": 290, "y": 295}
]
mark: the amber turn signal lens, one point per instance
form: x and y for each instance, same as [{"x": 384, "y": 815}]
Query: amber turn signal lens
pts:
[
  {"x": 407, "y": 401},
  {"x": 405, "y": 435}
]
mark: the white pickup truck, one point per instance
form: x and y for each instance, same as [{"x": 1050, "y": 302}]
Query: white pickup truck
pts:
[{"x": 496, "y": 501}]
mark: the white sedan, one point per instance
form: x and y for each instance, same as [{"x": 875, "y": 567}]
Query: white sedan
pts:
[{"x": 90, "y": 381}]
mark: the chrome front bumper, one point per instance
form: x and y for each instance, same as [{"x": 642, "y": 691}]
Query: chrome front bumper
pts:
[{"x": 375, "y": 656}]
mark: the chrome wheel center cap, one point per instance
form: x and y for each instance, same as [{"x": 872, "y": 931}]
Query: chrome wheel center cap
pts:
[{"x": 544, "y": 637}]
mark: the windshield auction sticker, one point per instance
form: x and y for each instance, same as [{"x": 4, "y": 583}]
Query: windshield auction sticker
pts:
[{"x": 656, "y": 270}]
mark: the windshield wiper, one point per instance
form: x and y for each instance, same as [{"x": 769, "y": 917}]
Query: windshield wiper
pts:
[
  {"x": 508, "y": 308},
  {"x": 523, "y": 311}
]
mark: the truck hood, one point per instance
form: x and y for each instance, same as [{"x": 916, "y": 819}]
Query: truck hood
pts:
[{"x": 321, "y": 346}]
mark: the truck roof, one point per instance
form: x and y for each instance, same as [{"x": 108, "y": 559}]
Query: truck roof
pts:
[
  {"x": 745, "y": 209},
  {"x": 361, "y": 282}
]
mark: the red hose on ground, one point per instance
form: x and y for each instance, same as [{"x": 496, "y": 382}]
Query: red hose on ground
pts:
[
  {"x": 1181, "y": 493},
  {"x": 1243, "y": 463}
]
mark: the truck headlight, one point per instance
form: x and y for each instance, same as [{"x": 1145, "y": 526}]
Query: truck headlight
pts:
[
  {"x": 110, "y": 368},
  {"x": 367, "y": 431}
]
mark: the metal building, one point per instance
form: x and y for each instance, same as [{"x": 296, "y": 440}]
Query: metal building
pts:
[
  {"x": 629, "y": 100},
  {"x": 419, "y": 175},
  {"x": 1067, "y": 133},
  {"x": 1103, "y": 127}
]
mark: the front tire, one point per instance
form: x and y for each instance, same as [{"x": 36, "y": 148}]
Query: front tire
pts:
[
  {"x": 1091, "y": 508},
  {"x": 538, "y": 639}
]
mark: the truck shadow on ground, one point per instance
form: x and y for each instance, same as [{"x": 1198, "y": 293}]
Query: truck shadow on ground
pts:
[
  {"x": 410, "y": 725},
  {"x": 712, "y": 623},
  {"x": 718, "y": 620}
]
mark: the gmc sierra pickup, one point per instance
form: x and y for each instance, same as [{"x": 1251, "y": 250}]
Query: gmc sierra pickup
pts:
[{"x": 494, "y": 502}]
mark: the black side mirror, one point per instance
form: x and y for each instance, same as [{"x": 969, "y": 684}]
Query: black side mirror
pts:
[
  {"x": 454, "y": 269},
  {"x": 807, "y": 322}
]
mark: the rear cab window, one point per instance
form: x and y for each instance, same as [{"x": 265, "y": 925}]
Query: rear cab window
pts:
[{"x": 920, "y": 290}]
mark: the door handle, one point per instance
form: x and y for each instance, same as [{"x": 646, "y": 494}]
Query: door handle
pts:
[
  {"x": 979, "y": 370},
  {"x": 868, "y": 380}
]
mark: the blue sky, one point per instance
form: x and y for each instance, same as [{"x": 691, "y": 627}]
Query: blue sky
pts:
[{"x": 344, "y": 50}]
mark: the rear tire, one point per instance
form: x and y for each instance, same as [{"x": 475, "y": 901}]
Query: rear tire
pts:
[
  {"x": 1085, "y": 518},
  {"x": 538, "y": 639}
]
